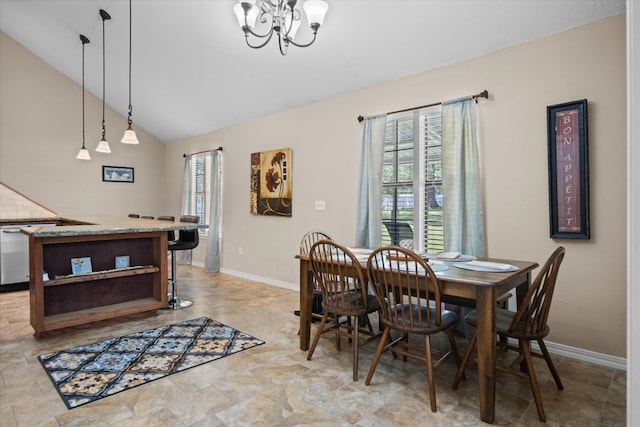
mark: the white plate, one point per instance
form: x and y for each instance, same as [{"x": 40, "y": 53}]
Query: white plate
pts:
[
  {"x": 508, "y": 268},
  {"x": 437, "y": 266},
  {"x": 460, "y": 258}
]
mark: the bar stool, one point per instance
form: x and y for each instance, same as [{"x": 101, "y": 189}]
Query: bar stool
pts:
[
  {"x": 187, "y": 239},
  {"x": 146, "y": 217},
  {"x": 134, "y": 216}
]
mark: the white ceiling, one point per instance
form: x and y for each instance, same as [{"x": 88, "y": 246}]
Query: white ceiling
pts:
[{"x": 192, "y": 72}]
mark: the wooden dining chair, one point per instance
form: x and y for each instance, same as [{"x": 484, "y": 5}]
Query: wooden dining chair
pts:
[
  {"x": 409, "y": 296},
  {"x": 306, "y": 242},
  {"x": 528, "y": 324},
  {"x": 343, "y": 284}
]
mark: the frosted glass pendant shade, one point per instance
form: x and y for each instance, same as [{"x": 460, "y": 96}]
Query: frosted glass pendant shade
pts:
[
  {"x": 252, "y": 15},
  {"x": 316, "y": 11},
  {"x": 129, "y": 137},
  {"x": 83, "y": 154},
  {"x": 103, "y": 147}
]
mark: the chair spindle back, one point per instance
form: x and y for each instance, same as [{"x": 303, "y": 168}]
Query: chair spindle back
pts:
[
  {"x": 339, "y": 276},
  {"x": 404, "y": 285},
  {"x": 532, "y": 316}
]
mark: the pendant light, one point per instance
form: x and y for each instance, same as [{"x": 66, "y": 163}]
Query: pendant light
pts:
[
  {"x": 83, "y": 154},
  {"x": 129, "y": 136},
  {"x": 103, "y": 145}
]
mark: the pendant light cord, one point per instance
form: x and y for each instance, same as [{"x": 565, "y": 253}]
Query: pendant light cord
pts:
[
  {"x": 130, "y": 107},
  {"x": 103, "y": 79},
  {"x": 84, "y": 41}
]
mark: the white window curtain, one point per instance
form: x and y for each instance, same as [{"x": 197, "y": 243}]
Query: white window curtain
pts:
[
  {"x": 461, "y": 185},
  {"x": 187, "y": 190},
  {"x": 212, "y": 257},
  {"x": 369, "y": 219},
  {"x": 463, "y": 223},
  {"x": 213, "y": 161}
]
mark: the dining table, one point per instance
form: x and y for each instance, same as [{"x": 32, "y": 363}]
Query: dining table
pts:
[{"x": 478, "y": 288}]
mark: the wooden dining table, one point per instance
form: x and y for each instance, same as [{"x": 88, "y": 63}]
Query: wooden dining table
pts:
[{"x": 477, "y": 289}]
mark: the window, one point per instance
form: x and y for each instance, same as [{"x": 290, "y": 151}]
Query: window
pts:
[
  {"x": 412, "y": 197},
  {"x": 200, "y": 189}
]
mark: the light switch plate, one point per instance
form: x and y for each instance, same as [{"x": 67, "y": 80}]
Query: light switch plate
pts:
[{"x": 319, "y": 205}]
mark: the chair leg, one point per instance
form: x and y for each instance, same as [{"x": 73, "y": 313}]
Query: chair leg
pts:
[
  {"x": 465, "y": 360},
  {"x": 552, "y": 368},
  {"x": 432, "y": 384},
  {"x": 316, "y": 338},
  {"x": 356, "y": 345},
  {"x": 338, "y": 337},
  {"x": 405, "y": 342},
  {"x": 454, "y": 349},
  {"x": 533, "y": 382},
  {"x": 381, "y": 345}
]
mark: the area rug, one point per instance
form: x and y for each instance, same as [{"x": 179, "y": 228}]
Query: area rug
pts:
[{"x": 87, "y": 373}]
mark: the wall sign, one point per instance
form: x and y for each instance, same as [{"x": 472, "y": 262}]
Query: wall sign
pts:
[{"x": 568, "y": 170}]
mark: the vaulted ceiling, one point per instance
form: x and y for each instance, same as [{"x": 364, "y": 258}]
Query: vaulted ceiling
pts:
[{"x": 193, "y": 73}]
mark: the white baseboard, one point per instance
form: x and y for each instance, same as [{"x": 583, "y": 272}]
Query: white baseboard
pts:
[
  {"x": 265, "y": 280},
  {"x": 554, "y": 348},
  {"x": 586, "y": 355}
]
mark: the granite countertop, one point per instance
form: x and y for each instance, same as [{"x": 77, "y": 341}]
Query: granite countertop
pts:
[{"x": 93, "y": 225}]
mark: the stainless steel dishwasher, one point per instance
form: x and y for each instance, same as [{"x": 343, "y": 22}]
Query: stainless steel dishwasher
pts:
[{"x": 14, "y": 255}]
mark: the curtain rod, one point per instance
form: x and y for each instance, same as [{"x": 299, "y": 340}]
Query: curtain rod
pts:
[
  {"x": 200, "y": 152},
  {"x": 483, "y": 94}
]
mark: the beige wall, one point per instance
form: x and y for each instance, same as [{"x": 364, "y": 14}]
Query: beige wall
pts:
[
  {"x": 588, "y": 62},
  {"x": 41, "y": 133}
]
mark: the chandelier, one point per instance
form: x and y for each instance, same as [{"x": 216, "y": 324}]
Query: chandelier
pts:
[{"x": 278, "y": 16}]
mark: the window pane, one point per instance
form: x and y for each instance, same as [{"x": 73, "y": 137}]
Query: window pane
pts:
[{"x": 408, "y": 134}]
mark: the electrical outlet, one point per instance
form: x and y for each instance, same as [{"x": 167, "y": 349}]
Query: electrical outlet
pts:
[
  {"x": 240, "y": 251},
  {"x": 319, "y": 205}
]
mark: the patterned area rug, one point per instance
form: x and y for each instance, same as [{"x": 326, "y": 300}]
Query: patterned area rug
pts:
[{"x": 90, "y": 372}]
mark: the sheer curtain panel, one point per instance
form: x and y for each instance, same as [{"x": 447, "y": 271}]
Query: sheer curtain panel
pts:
[
  {"x": 187, "y": 189},
  {"x": 463, "y": 223},
  {"x": 369, "y": 221},
  {"x": 212, "y": 257}
]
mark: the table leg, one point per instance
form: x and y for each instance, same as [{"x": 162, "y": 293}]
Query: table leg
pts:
[
  {"x": 521, "y": 292},
  {"x": 306, "y": 301},
  {"x": 486, "y": 328}
]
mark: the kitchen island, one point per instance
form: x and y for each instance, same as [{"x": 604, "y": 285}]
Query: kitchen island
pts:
[{"x": 92, "y": 268}]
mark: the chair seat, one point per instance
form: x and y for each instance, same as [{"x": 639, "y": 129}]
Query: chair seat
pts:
[
  {"x": 504, "y": 318},
  {"x": 344, "y": 304},
  {"x": 409, "y": 312},
  {"x": 179, "y": 245}
]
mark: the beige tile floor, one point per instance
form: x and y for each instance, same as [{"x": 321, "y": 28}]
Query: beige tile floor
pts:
[{"x": 274, "y": 384}]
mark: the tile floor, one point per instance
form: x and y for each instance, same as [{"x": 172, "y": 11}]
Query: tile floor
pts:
[{"x": 274, "y": 384}]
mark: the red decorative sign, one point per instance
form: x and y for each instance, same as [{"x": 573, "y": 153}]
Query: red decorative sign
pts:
[{"x": 568, "y": 170}]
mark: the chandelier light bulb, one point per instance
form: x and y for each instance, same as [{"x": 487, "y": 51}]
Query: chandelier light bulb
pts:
[{"x": 316, "y": 10}]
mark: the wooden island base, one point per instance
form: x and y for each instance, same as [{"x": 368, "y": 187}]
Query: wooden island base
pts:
[{"x": 60, "y": 299}]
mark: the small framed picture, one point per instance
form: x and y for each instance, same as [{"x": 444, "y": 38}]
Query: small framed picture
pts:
[
  {"x": 81, "y": 265},
  {"x": 122, "y": 261},
  {"x": 117, "y": 174}
]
